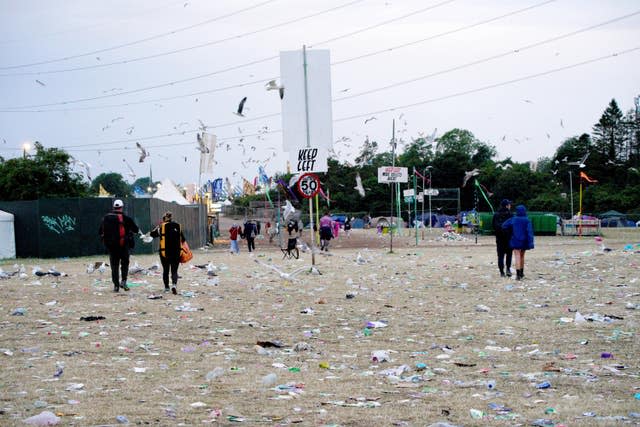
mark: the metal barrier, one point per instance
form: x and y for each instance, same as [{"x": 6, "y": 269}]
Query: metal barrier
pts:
[{"x": 585, "y": 227}]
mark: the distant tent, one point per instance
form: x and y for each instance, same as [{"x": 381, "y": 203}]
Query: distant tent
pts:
[
  {"x": 102, "y": 192},
  {"x": 7, "y": 235},
  {"x": 169, "y": 193},
  {"x": 612, "y": 214}
]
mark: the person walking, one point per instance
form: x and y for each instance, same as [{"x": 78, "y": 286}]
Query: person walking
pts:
[
  {"x": 503, "y": 238},
  {"x": 326, "y": 231},
  {"x": 117, "y": 232},
  {"x": 171, "y": 239},
  {"x": 234, "y": 232},
  {"x": 521, "y": 237},
  {"x": 249, "y": 233},
  {"x": 347, "y": 227}
]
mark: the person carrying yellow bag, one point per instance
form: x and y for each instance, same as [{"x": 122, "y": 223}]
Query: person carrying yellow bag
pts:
[{"x": 171, "y": 240}]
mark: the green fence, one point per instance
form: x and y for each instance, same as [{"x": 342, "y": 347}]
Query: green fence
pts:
[
  {"x": 544, "y": 224},
  {"x": 54, "y": 228}
]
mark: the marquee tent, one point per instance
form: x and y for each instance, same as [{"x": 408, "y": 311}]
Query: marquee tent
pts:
[{"x": 169, "y": 193}]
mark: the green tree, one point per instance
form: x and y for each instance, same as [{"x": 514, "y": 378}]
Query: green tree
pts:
[
  {"x": 113, "y": 183},
  {"x": 610, "y": 133},
  {"x": 369, "y": 149},
  {"x": 46, "y": 174}
]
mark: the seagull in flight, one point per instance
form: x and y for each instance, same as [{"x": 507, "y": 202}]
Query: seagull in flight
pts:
[
  {"x": 289, "y": 277},
  {"x": 40, "y": 83},
  {"x": 143, "y": 152},
  {"x": 132, "y": 174},
  {"x": 241, "y": 107},
  {"x": 272, "y": 85},
  {"x": 470, "y": 174},
  {"x": 359, "y": 186},
  {"x": 370, "y": 119}
]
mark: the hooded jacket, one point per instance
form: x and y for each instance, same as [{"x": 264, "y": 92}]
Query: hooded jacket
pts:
[
  {"x": 521, "y": 229},
  {"x": 502, "y": 236}
]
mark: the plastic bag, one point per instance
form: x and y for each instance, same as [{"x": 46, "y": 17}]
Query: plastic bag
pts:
[{"x": 185, "y": 253}]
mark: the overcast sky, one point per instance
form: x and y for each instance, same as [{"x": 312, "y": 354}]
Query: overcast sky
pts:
[{"x": 95, "y": 77}]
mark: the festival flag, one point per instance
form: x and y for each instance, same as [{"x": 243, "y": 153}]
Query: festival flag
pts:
[
  {"x": 248, "y": 188},
  {"x": 262, "y": 175},
  {"x": 207, "y": 146},
  {"x": 586, "y": 178}
]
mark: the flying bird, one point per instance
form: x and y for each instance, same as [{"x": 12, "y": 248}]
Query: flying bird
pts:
[
  {"x": 370, "y": 119},
  {"x": 132, "y": 174},
  {"x": 359, "y": 186},
  {"x": 561, "y": 123},
  {"x": 143, "y": 152},
  {"x": 501, "y": 166},
  {"x": 241, "y": 107},
  {"x": 285, "y": 276},
  {"x": 40, "y": 83},
  {"x": 272, "y": 85},
  {"x": 470, "y": 174}
]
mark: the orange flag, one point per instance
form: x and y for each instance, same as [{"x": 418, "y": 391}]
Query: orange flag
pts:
[{"x": 586, "y": 177}]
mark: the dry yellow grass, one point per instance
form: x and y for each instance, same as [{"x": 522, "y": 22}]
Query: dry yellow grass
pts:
[{"x": 452, "y": 321}]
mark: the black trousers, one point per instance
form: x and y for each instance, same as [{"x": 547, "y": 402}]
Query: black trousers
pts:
[
  {"x": 119, "y": 261},
  {"x": 251, "y": 243},
  {"x": 169, "y": 264},
  {"x": 504, "y": 252}
]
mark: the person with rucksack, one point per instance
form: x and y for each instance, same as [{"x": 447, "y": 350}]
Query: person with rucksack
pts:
[
  {"x": 249, "y": 233},
  {"x": 171, "y": 239},
  {"x": 117, "y": 232},
  {"x": 521, "y": 237},
  {"x": 503, "y": 237}
]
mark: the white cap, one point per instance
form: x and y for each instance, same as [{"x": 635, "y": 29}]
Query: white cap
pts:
[{"x": 118, "y": 203}]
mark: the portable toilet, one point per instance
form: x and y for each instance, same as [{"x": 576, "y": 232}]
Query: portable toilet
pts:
[{"x": 7, "y": 236}]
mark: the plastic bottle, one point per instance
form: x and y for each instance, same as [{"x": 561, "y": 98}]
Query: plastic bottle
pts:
[
  {"x": 543, "y": 385},
  {"x": 269, "y": 379},
  {"x": 215, "y": 373},
  {"x": 121, "y": 419}
]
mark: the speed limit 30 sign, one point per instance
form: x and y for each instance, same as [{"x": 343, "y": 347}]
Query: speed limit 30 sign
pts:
[{"x": 309, "y": 185}]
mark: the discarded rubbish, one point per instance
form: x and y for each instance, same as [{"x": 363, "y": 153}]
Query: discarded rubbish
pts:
[
  {"x": 92, "y": 318},
  {"x": 269, "y": 379},
  {"x": 379, "y": 356},
  {"x": 543, "y": 385},
  {"x": 45, "y": 418},
  {"x": 377, "y": 324},
  {"x": 121, "y": 419},
  {"x": 20, "y": 311},
  {"x": 215, "y": 373}
]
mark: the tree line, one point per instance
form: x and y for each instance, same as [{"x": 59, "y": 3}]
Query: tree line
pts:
[{"x": 610, "y": 154}]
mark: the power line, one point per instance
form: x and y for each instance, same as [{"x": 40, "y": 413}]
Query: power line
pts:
[
  {"x": 17, "y": 109},
  {"x": 189, "y": 48},
  {"x": 489, "y": 58},
  {"x": 146, "y": 39},
  {"x": 437, "y": 73},
  {"x": 483, "y": 88},
  {"x": 83, "y": 28},
  {"x": 398, "y": 107}
]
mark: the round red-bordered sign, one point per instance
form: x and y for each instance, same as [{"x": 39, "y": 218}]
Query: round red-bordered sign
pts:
[{"x": 308, "y": 185}]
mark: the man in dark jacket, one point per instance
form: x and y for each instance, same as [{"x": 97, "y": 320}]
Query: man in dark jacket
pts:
[
  {"x": 249, "y": 233},
  {"x": 503, "y": 237},
  {"x": 117, "y": 231}
]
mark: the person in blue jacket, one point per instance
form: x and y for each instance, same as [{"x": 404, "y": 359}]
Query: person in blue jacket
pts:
[{"x": 521, "y": 237}]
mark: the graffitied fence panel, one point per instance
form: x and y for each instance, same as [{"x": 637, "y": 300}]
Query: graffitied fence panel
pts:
[{"x": 50, "y": 228}]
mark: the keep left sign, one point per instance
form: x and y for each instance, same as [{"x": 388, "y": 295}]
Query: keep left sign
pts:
[{"x": 309, "y": 159}]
